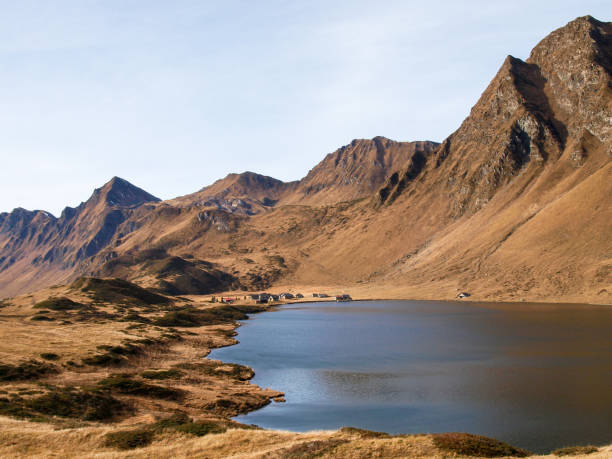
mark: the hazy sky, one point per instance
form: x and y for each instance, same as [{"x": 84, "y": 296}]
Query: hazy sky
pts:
[{"x": 172, "y": 95}]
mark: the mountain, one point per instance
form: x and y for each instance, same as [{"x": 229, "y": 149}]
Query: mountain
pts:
[
  {"x": 357, "y": 170},
  {"x": 513, "y": 205},
  {"x": 354, "y": 171},
  {"x": 521, "y": 186},
  {"x": 246, "y": 193},
  {"x": 37, "y": 248}
]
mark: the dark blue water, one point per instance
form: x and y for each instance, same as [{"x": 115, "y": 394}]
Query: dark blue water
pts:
[{"x": 536, "y": 376}]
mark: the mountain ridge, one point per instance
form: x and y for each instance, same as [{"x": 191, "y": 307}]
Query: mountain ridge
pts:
[{"x": 490, "y": 209}]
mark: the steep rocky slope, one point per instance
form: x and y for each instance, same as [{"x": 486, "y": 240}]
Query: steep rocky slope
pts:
[
  {"x": 356, "y": 170},
  {"x": 37, "y": 249},
  {"x": 524, "y": 184},
  {"x": 514, "y": 205},
  {"x": 247, "y": 193}
]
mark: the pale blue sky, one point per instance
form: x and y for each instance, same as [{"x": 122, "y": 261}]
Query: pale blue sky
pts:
[{"x": 172, "y": 95}]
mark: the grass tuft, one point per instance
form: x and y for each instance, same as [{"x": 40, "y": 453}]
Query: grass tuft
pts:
[
  {"x": 124, "y": 384},
  {"x": 31, "y": 369},
  {"x": 42, "y": 318},
  {"x": 476, "y": 445},
  {"x": 216, "y": 368},
  {"x": 180, "y": 422},
  {"x": 58, "y": 304},
  {"x": 65, "y": 402},
  {"x": 309, "y": 449},
  {"x": 161, "y": 374},
  {"x": 118, "y": 291},
  {"x": 192, "y": 317},
  {"x": 49, "y": 356},
  {"x": 363, "y": 433},
  {"x": 129, "y": 439},
  {"x": 575, "y": 450}
]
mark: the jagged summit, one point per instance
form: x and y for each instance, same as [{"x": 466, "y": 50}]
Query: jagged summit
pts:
[
  {"x": 353, "y": 171},
  {"x": 554, "y": 105},
  {"x": 121, "y": 193},
  {"x": 245, "y": 184},
  {"x": 245, "y": 193},
  {"x": 515, "y": 204},
  {"x": 356, "y": 170}
]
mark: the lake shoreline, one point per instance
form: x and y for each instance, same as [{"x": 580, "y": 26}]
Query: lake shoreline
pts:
[{"x": 277, "y": 305}]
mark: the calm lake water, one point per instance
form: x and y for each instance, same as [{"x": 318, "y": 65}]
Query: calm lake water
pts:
[{"x": 537, "y": 376}]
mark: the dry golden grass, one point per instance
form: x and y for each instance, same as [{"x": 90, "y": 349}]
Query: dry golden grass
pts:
[
  {"x": 212, "y": 391},
  {"x": 25, "y": 439}
]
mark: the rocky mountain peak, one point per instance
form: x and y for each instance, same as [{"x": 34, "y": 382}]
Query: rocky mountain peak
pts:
[
  {"x": 244, "y": 185},
  {"x": 118, "y": 192},
  {"x": 576, "y": 63},
  {"x": 357, "y": 169}
]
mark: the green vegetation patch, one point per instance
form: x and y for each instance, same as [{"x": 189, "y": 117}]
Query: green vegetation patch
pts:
[
  {"x": 180, "y": 422},
  {"x": 129, "y": 439},
  {"x": 476, "y": 445},
  {"x": 183, "y": 318},
  {"x": 124, "y": 384},
  {"x": 575, "y": 450},
  {"x": 65, "y": 402},
  {"x": 134, "y": 317},
  {"x": 216, "y": 368},
  {"x": 49, "y": 356},
  {"x": 162, "y": 374},
  {"x": 58, "y": 304},
  {"x": 31, "y": 369},
  {"x": 363, "y": 433},
  {"x": 42, "y": 318},
  {"x": 192, "y": 317},
  {"x": 118, "y": 291},
  {"x": 309, "y": 449},
  {"x": 116, "y": 355},
  {"x": 103, "y": 360}
]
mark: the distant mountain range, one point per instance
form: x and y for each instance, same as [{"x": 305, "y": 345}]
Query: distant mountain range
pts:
[{"x": 514, "y": 205}]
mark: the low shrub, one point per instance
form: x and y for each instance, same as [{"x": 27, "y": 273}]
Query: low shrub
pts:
[
  {"x": 114, "y": 355},
  {"x": 31, "y": 369},
  {"x": 49, "y": 356},
  {"x": 161, "y": 374},
  {"x": 476, "y": 445},
  {"x": 66, "y": 402},
  {"x": 363, "y": 433},
  {"x": 180, "y": 422},
  {"x": 58, "y": 304},
  {"x": 575, "y": 450},
  {"x": 192, "y": 317},
  {"x": 129, "y": 439},
  {"x": 215, "y": 368},
  {"x": 127, "y": 349},
  {"x": 178, "y": 319},
  {"x": 134, "y": 317},
  {"x": 118, "y": 291},
  {"x": 200, "y": 428},
  {"x": 106, "y": 359},
  {"x": 124, "y": 384},
  {"x": 309, "y": 449},
  {"x": 42, "y": 318}
]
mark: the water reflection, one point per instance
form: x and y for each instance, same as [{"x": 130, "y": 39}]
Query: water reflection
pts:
[{"x": 538, "y": 376}]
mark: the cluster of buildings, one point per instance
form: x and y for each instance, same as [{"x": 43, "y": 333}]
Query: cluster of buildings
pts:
[
  {"x": 271, "y": 297},
  {"x": 261, "y": 298}
]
